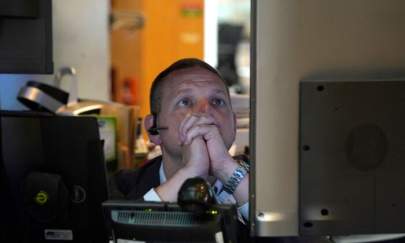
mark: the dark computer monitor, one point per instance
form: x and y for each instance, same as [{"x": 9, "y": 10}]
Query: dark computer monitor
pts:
[
  {"x": 26, "y": 36},
  {"x": 168, "y": 222},
  {"x": 53, "y": 179}
]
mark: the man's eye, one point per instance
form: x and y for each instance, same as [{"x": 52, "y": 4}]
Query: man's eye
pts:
[
  {"x": 186, "y": 102},
  {"x": 218, "y": 102}
]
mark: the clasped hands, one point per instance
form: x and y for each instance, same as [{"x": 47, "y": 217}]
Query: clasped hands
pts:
[{"x": 203, "y": 148}]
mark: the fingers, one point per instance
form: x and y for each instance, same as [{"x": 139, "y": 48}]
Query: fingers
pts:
[
  {"x": 196, "y": 158},
  {"x": 203, "y": 143},
  {"x": 193, "y": 120},
  {"x": 185, "y": 125},
  {"x": 206, "y": 131}
]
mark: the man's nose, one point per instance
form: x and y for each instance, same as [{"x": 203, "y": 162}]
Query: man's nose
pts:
[{"x": 202, "y": 106}]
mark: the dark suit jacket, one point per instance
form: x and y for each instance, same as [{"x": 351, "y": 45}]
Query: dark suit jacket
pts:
[{"x": 133, "y": 184}]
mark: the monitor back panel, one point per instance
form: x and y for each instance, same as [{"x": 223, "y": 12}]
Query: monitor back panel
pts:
[
  {"x": 352, "y": 153},
  {"x": 294, "y": 40}
]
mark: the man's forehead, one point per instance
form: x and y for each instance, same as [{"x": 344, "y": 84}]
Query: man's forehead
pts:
[
  {"x": 191, "y": 83},
  {"x": 193, "y": 74},
  {"x": 188, "y": 90},
  {"x": 193, "y": 77}
]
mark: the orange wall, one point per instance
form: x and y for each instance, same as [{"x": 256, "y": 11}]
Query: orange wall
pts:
[
  {"x": 125, "y": 53},
  {"x": 173, "y": 29}
]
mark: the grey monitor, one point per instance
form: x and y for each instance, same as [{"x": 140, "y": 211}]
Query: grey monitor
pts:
[{"x": 318, "y": 41}]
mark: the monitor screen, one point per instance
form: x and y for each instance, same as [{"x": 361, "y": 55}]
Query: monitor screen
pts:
[
  {"x": 53, "y": 179},
  {"x": 294, "y": 188},
  {"x": 26, "y": 36},
  {"x": 168, "y": 222}
]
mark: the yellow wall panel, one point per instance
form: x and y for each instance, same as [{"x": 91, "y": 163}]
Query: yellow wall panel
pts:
[{"x": 173, "y": 30}]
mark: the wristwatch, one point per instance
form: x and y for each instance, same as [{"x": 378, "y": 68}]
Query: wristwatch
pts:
[{"x": 236, "y": 177}]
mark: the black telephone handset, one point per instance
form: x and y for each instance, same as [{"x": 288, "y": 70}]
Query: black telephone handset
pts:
[{"x": 196, "y": 195}]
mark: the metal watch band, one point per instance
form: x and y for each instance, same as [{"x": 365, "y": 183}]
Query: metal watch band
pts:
[{"x": 236, "y": 177}]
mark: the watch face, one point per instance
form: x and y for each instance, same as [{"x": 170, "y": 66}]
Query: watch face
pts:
[{"x": 236, "y": 177}]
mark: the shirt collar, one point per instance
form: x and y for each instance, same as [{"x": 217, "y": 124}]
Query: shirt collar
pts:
[{"x": 162, "y": 175}]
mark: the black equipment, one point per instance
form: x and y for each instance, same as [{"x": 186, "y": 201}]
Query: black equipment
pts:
[{"x": 53, "y": 179}]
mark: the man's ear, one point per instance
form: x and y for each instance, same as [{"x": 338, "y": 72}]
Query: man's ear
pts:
[{"x": 148, "y": 122}]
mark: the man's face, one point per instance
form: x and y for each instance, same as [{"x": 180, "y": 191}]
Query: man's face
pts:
[{"x": 193, "y": 91}]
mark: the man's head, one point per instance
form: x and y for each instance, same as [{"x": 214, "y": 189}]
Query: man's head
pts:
[
  {"x": 155, "y": 97},
  {"x": 188, "y": 86}
]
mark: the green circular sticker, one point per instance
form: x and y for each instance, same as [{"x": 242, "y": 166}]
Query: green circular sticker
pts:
[{"x": 41, "y": 198}]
